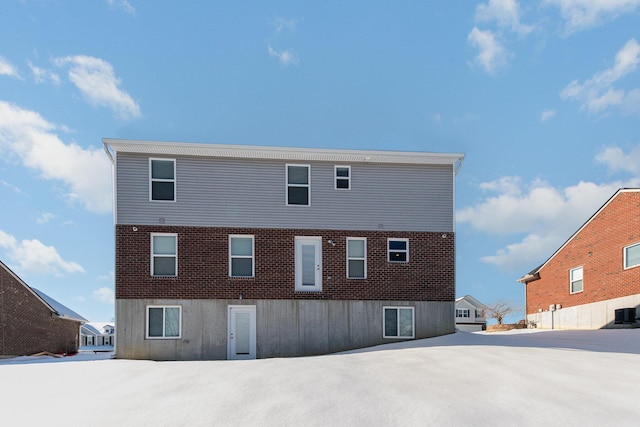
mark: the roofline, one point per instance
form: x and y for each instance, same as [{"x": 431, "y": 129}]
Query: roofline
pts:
[
  {"x": 280, "y": 153},
  {"x": 34, "y": 293},
  {"x": 535, "y": 274}
]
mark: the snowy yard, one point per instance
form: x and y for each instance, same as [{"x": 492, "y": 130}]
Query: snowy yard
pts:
[{"x": 523, "y": 378}]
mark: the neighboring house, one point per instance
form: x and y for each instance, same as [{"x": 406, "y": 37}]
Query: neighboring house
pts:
[
  {"x": 593, "y": 280},
  {"x": 470, "y": 314},
  {"x": 97, "y": 334},
  {"x": 32, "y": 322},
  {"x": 252, "y": 252}
]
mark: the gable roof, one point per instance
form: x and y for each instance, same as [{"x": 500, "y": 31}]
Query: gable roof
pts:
[
  {"x": 471, "y": 300},
  {"x": 280, "y": 153},
  {"x": 535, "y": 273},
  {"x": 56, "y": 307}
]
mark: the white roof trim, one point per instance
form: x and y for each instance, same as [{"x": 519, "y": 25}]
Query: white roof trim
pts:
[{"x": 279, "y": 153}]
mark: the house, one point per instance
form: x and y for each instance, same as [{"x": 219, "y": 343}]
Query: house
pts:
[
  {"x": 240, "y": 252},
  {"x": 97, "y": 334},
  {"x": 470, "y": 314},
  {"x": 33, "y": 322},
  {"x": 593, "y": 280}
]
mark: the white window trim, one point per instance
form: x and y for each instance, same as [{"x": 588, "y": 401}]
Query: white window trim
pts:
[
  {"x": 364, "y": 258},
  {"x": 468, "y": 316},
  {"x": 163, "y": 337},
  {"x": 624, "y": 257},
  {"x": 174, "y": 181},
  {"x": 391, "y": 239},
  {"x": 336, "y": 177},
  {"x": 252, "y": 257},
  {"x": 287, "y": 185},
  {"x": 397, "y": 308},
  {"x": 571, "y": 281},
  {"x": 163, "y": 255}
]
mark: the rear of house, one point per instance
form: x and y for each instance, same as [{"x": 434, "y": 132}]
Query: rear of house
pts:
[
  {"x": 593, "y": 280},
  {"x": 243, "y": 252}
]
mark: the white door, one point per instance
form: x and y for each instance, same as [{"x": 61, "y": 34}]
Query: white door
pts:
[
  {"x": 309, "y": 264},
  {"x": 241, "y": 330}
]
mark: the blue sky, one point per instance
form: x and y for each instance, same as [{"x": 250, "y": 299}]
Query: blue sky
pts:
[{"x": 543, "y": 98}]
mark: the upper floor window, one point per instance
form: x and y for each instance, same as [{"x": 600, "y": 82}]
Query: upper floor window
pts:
[
  {"x": 164, "y": 321},
  {"x": 241, "y": 256},
  {"x": 164, "y": 254},
  {"x": 343, "y": 177},
  {"x": 575, "y": 280},
  {"x": 462, "y": 312},
  {"x": 398, "y": 322},
  {"x": 632, "y": 256},
  {"x": 357, "y": 257},
  {"x": 398, "y": 250},
  {"x": 162, "y": 176},
  {"x": 298, "y": 185}
]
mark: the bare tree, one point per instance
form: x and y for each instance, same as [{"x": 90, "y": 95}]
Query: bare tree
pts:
[{"x": 500, "y": 309}]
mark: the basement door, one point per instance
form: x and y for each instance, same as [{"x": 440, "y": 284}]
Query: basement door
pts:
[{"x": 241, "y": 332}]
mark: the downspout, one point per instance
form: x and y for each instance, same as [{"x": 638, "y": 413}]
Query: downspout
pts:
[
  {"x": 115, "y": 215},
  {"x": 459, "y": 162}
]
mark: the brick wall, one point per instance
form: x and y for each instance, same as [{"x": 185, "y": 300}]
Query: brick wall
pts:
[
  {"x": 598, "y": 248},
  {"x": 203, "y": 266},
  {"x": 27, "y": 326}
]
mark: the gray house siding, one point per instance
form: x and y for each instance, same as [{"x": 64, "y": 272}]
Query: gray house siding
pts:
[
  {"x": 283, "y": 327},
  {"x": 251, "y": 193}
]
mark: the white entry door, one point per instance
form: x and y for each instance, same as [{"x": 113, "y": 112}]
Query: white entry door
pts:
[
  {"x": 309, "y": 264},
  {"x": 241, "y": 332}
]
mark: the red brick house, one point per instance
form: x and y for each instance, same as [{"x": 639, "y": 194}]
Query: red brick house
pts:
[
  {"x": 32, "y": 322},
  {"x": 237, "y": 252},
  {"x": 593, "y": 280}
]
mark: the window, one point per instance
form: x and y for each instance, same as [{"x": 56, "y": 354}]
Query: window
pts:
[
  {"x": 398, "y": 250},
  {"x": 164, "y": 321},
  {"x": 576, "y": 280},
  {"x": 162, "y": 174},
  {"x": 164, "y": 254},
  {"x": 398, "y": 322},
  {"x": 479, "y": 314},
  {"x": 462, "y": 312},
  {"x": 298, "y": 185},
  {"x": 632, "y": 256},
  {"x": 343, "y": 177},
  {"x": 241, "y": 256},
  {"x": 356, "y": 258}
]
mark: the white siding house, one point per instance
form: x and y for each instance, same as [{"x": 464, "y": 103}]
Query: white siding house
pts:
[{"x": 470, "y": 314}]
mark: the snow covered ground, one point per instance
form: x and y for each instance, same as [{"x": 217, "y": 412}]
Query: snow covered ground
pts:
[{"x": 522, "y": 378}]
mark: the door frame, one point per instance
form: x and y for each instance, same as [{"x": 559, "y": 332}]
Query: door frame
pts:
[
  {"x": 231, "y": 309},
  {"x": 317, "y": 242}
]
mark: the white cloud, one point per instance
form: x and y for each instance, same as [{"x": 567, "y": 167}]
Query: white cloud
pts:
[
  {"x": 122, "y": 4},
  {"x": 10, "y": 186},
  {"x": 286, "y": 57},
  {"x": 538, "y": 217},
  {"x": 617, "y": 161},
  {"x": 45, "y": 218},
  {"x": 491, "y": 53},
  {"x": 97, "y": 81},
  {"x": 32, "y": 256},
  {"x": 584, "y": 14},
  {"x": 597, "y": 94},
  {"x": 547, "y": 114},
  {"x": 104, "y": 294},
  {"x": 41, "y": 75},
  {"x": 282, "y": 24},
  {"x": 7, "y": 69},
  {"x": 505, "y": 12},
  {"x": 86, "y": 172}
]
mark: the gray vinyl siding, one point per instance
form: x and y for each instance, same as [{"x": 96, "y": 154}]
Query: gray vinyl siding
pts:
[{"x": 252, "y": 193}]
